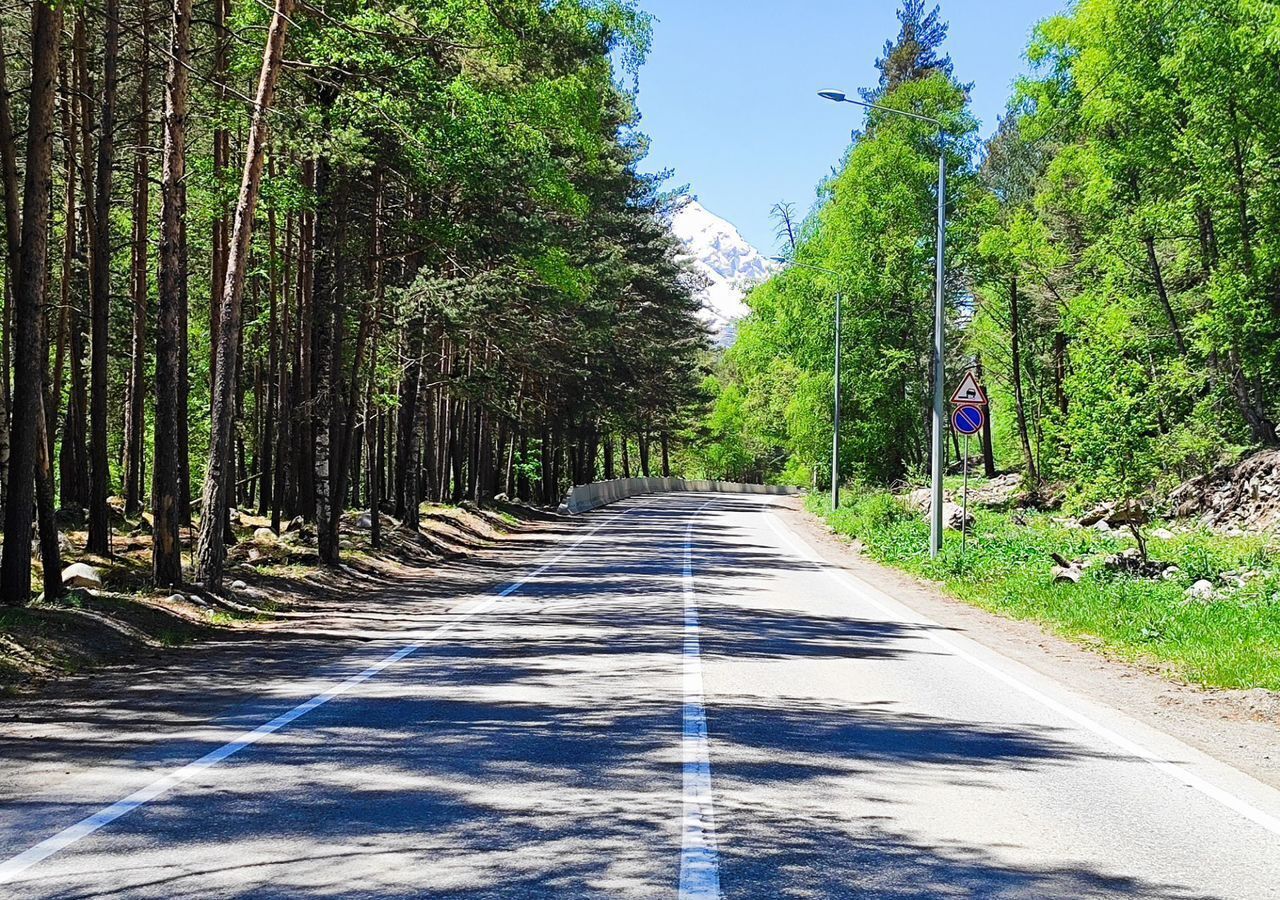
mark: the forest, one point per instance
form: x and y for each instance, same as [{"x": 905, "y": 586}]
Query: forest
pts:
[
  {"x": 301, "y": 258},
  {"x": 1113, "y": 271}
]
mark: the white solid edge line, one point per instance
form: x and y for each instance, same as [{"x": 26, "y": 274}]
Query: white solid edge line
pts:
[
  {"x": 1190, "y": 779},
  {"x": 699, "y": 859},
  {"x": 16, "y": 865}
]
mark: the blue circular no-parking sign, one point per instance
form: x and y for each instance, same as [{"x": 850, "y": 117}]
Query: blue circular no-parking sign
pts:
[{"x": 967, "y": 419}]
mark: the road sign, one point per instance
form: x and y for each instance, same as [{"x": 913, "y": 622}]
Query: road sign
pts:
[
  {"x": 968, "y": 419},
  {"x": 970, "y": 392}
]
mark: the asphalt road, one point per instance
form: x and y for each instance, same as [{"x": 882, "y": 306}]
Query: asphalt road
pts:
[{"x": 675, "y": 697}]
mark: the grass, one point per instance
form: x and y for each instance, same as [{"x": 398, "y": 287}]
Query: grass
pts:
[{"x": 1230, "y": 642}]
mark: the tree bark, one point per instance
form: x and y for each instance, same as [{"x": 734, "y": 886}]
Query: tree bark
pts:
[
  {"x": 12, "y": 233},
  {"x": 324, "y": 289},
  {"x": 135, "y": 408},
  {"x": 100, "y": 296},
  {"x": 988, "y": 448},
  {"x": 166, "y": 470},
  {"x": 1157, "y": 277},
  {"x": 1015, "y": 348},
  {"x": 210, "y": 551},
  {"x": 15, "y": 568}
]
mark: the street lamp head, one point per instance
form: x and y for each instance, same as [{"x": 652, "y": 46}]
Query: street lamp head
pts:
[{"x": 833, "y": 95}]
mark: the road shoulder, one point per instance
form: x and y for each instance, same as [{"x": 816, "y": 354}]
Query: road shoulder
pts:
[{"x": 1239, "y": 728}]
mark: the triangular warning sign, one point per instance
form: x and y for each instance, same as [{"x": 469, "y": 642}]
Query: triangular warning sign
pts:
[{"x": 969, "y": 391}]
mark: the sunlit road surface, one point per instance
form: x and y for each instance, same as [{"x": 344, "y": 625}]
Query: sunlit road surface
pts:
[{"x": 675, "y": 696}]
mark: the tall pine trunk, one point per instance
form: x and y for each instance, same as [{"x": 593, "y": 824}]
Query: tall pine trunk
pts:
[
  {"x": 29, "y": 358},
  {"x": 12, "y": 233},
  {"x": 210, "y": 550},
  {"x": 166, "y": 505},
  {"x": 135, "y": 409},
  {"x": 100, "y": 295},
  {"x": 324, "y": 304}
]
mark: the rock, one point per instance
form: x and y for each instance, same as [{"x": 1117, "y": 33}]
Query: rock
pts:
[
  {"x": 1201, "y": 590},
  {"x": 1161, "y": 534},
  {"x": 1170, "y": 573},
  {"x": 233, "y": 515},
  {"x": 198, "y": 600},
  {"x": 365, "y": 522},
  {"x": 920, "y": 500},
  {"x": 1234, "y": 499},
  {"x": 1098, "y": 514},
  {"x": 1115, "y": 514},
  {"x": 1128, "y": 512},
  {"x": 1066, "y": 574},
  {"x": 255, "y": 555},
  {"x": 264, "y": 536},
  {"x": 175, "y": 598},
  {"x": 501, "y": 498},
  {"x": 295, "y": 524},
  {"x": 1100, "y": 525},
  {"x": 81, "y": 575},
  {"x": 998, "y": 492},
  {"x": 239, "y": 586},
  {"x": 954, "y": 517}
]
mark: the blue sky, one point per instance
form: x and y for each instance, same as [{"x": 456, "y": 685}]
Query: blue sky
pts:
[{"x": 727, "y": 95}]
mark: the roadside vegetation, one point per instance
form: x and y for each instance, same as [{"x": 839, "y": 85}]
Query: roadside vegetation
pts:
[
  {"x": 1227, "y": 639},
  {"x": 293, "y": 260},
  {"x": 1111, "y": 274}
]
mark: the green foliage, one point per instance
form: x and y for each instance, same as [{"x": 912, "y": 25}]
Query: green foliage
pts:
[{"x": 1112, "y": 262}]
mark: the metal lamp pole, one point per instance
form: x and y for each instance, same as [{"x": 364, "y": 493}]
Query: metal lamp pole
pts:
[
  {"x": 939, "y": 314},
  {"x": 835, "y": 426}
]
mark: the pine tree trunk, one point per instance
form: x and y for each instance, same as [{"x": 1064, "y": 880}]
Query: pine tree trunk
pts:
[
  {"x": 166, "y": 470},
  {"x": 50, "y": 553},
  {"x": 210, "y": 551},
  {"x": 100, "y": 295},
  {"x": 12, "y": 232},
  {"x": 266, "y": 448},
  {"x": 135, "y": 408},
  {"x": 29, "y": 355},
  {"x": 184, "y": 363},
  {"x": 1015, "y": 344},
  {"x": 988, "y": 448},
  {"x": 324, "y": 289}
]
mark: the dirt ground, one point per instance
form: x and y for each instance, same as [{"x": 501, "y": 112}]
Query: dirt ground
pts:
[
  {"x": 1241, "y": 728},
  {"x": 272, "y": 583}
]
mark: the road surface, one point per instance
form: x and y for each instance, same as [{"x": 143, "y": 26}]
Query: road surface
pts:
[{"x": 675, "y": 696}]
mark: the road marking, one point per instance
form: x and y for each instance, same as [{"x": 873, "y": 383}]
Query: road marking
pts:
[
  {"x": 699, "y": 864},
  {"x": 14, "y": 866},
  {"x": 867, "y": 593}
]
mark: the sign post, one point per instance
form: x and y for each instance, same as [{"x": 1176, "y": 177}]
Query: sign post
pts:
[{"x": 970, "y": 415}]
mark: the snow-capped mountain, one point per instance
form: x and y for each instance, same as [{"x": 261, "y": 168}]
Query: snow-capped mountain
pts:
[{"x": 730, "y": 264}]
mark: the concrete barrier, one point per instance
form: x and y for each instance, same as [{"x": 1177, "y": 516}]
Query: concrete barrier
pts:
[{"x": 584, "y": 497}]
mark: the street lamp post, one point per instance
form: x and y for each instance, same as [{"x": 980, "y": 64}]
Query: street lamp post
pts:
[
  {"x": 939, "y": 313},
  {"x": 835, "y": 425}
]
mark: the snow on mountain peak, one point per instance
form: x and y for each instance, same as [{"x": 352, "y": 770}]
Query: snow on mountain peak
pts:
[{"x": 730, "y": 264}]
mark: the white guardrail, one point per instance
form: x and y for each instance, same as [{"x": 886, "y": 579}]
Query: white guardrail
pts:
[{"x": 584, "y": 497}]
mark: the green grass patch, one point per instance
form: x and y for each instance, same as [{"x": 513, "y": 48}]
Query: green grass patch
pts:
[{"x": 1231, "y": 642}]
